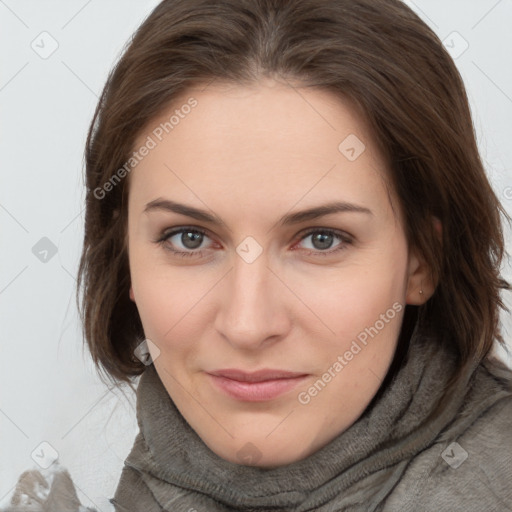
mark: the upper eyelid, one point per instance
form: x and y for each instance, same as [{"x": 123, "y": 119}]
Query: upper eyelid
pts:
[{"x": 168, "y": 233}]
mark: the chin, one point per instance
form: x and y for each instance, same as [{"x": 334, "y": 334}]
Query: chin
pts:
[{"x": 263, "y": 453}]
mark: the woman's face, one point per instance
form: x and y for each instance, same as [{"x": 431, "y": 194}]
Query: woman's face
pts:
[{"x": 289, "y": 262}]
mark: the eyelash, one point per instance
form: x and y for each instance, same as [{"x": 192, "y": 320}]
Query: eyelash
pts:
[{"x": 345, "y": 239}]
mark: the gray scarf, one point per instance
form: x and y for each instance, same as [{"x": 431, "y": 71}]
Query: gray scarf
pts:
[{"x": 377, "y": 464}]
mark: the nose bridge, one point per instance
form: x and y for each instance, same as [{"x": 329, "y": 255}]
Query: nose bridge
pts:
[
  {"x": 250, "y": 286},
  {"x": 250, "y": 311}
]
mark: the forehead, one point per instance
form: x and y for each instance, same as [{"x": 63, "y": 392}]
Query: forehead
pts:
[{"x": 268, "y": 140}]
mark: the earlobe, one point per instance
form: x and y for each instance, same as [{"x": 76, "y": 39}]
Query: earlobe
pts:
[
  {"x": 414, "y": 285},
  {"x": 420, "y": 285},
  {"x": 132, "y": 297}
]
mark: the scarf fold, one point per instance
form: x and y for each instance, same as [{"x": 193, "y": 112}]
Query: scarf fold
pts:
[{"x": 170, "y": 467}]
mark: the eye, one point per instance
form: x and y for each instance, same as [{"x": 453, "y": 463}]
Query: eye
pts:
[
  {"x": 187, "y": 241},
  {"x": 322, "y": 239},
  {"x": 188, "y": 238}
]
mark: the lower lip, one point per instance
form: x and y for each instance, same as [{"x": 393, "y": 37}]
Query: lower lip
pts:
[{"x": 256, "y": 391}]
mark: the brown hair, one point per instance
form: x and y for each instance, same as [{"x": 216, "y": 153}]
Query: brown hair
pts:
[{"x": 377, "y": 53}]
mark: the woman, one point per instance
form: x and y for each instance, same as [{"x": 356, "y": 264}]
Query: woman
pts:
[{"x": 290, "y": 236}]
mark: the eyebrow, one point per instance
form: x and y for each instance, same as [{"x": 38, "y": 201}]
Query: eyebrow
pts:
[{"x": 287, "y": 220}]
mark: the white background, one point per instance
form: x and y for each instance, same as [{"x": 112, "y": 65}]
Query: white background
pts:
[{"x": 49, "y": 389}]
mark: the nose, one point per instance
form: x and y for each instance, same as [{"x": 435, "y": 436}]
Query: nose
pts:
[{"x": 253, "y": 305}]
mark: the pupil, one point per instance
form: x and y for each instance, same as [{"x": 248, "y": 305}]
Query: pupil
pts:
[
  {"x": 194, "y": 238},
  {"x": 322, "y": 239}
]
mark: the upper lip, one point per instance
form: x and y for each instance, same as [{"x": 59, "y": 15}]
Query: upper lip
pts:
[{"x": 257, "y": 376}]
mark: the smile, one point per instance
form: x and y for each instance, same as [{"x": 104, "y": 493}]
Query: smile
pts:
[{"x": 255, "y": 387}]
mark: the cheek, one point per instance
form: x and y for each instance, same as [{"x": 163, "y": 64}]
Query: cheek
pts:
[
  {"x": 168, "y": 299},
  {"x": 348, "y": 299}
]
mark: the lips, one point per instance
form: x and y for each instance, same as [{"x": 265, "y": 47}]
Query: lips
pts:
[
  {"x": 258, "y": 376},
  {"x": 256, "y": 386}
]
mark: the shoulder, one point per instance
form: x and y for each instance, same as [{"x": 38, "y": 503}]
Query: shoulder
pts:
[
  {"x": 488, "y": 439},
  {"x": 473, "y": 471},
  {"x": 468, "y": 467}
]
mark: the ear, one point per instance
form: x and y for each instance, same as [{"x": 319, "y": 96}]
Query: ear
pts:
[
  {"x": 132, "y": 296},
  {"x": 419, "y": 274}
]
